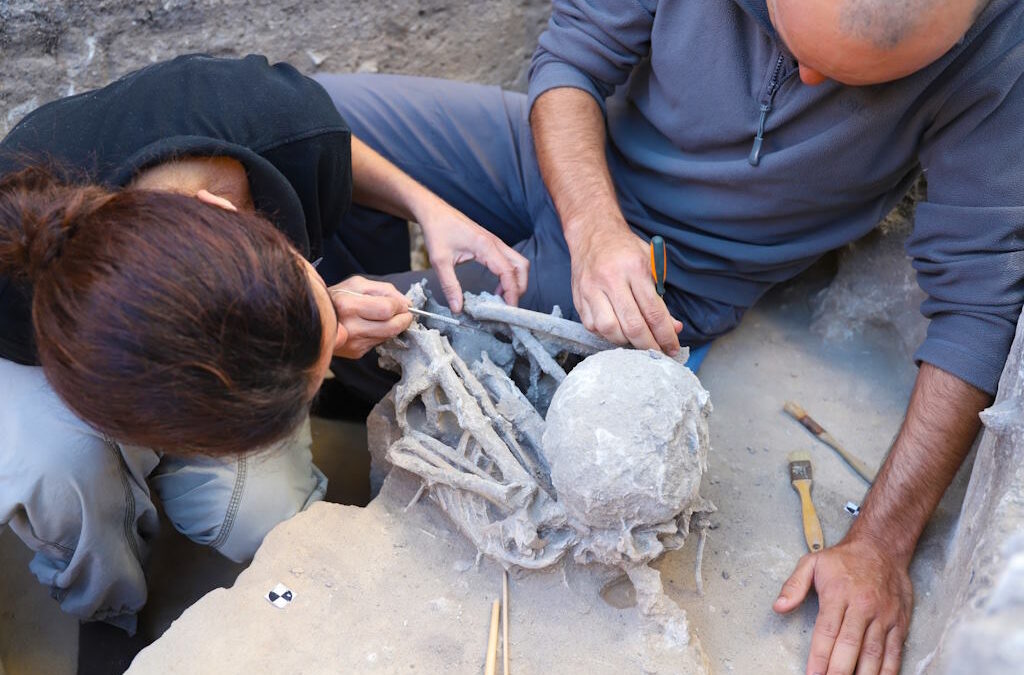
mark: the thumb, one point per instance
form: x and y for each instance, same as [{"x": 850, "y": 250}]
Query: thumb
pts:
[
  {"x": 797, "y": 586},
  {"x": 450, "y": 286}
]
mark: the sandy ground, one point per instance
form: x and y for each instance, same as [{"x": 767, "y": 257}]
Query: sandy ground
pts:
[{"x": 856, "y": 389}]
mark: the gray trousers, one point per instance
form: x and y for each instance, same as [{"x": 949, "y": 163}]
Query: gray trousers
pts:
[
  {"x": 82, "y": 501},
  {"x": 471, "y": 144}
]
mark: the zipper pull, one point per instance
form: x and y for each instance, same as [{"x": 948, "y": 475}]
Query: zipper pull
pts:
[{"x": 755, "y": 152}]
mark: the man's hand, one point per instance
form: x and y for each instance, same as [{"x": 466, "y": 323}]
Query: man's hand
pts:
[
  {"x": 452, "y": 238},
  {"x": 864, "y": 603},
  {"x": 864, "y": 592},
  {"x": 612, "y": 285},
  {"x": 614, "y": 292},
  {"x": 381, "y": 314}
]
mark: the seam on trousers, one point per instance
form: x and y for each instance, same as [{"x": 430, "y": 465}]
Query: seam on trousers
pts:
[
  {"x": 129, "y": 499},
  {"x": 66, "y": 551},
  {"x": 236, "y": 500}
]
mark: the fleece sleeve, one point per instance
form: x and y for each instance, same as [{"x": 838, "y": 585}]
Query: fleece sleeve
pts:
[
  {"x": 591, "y": 45},
  {"x": 968, "y": 240}
]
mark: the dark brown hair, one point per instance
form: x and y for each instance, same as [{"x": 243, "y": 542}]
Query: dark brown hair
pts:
[{"x": 162, "y": 321}]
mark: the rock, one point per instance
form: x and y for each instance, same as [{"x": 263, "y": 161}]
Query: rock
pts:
[
  {"x": 984, "y": 574},
  {"x": 875, "y": 285}
]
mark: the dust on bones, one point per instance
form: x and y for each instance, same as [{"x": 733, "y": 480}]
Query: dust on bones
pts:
[{"x": 534, "y": 465}]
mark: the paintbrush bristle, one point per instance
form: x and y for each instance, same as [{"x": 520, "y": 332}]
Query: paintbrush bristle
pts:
[
  {"x": 799, "y": 465},
  {"x": 798, "y": 456}
]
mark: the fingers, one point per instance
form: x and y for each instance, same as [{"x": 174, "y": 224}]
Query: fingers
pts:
[
  {"x": 893, "y": 652},
  {"x": 873, "y": 650},
  {"x": 663, "y": 329},
  {"x": 377, "y": 313},
  {"x": 823, "y": 640},
  {"x": 631, "y": 322},
  {"x": 846, "y": 649},
  {"x": 370, "y": 307},
  {"x": 450, "y": 285},
  {"x": 521, "y": 268},
  {"x": 377, "y": 331},
  {"x": 511, "y": 268},
  {"x": 603, "y": 319},
  {"x": 364, "y": 335},
  {"x": 370, "y": 287},
  {"x": 624, "y": 319},
  {"x": 796, "y": 587}
]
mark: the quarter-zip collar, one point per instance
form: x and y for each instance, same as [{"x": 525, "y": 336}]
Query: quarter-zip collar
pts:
[{"x": 780, "y": 70}]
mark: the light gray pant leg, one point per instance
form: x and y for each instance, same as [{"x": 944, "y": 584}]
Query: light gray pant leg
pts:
[
  {"x": 75, "y": 499},
  {"x": 232, "y": 503},
  {"x": 82, "y": 502}
]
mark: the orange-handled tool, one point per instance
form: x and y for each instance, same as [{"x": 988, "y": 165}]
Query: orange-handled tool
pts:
[{"x": 659, "y": 263}]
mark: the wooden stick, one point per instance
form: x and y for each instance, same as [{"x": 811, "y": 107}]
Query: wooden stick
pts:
[
  {"x": 504, "y": 620},
  {"x": 800, "y": 415},
  {"x": 492, "y": 641}
]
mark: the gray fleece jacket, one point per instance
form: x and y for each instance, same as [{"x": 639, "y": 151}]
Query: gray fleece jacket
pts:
[{"x": 751, "y": 175}]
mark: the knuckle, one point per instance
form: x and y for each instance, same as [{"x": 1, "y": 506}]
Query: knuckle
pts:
[
  {"x": 605, "y": 325},
  {"x": 634, "y": 326},
  {"x": 828, "y": 628},
  {"x": 839, "y": 669},
  {"x": 849, "y": 638},
  {"x": 872, "y": 650},
  {"x": 819, "y": 654},
  {"x": 864, "y": 602},
  {"x": 656, "y": 315}
]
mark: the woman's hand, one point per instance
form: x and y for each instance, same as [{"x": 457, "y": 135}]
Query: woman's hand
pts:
[
  {"x": 452, "y": 238},
  {"x": 377, "y": 314}
]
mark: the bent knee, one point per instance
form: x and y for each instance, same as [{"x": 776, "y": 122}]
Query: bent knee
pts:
[{"x": 232, "y": 505}]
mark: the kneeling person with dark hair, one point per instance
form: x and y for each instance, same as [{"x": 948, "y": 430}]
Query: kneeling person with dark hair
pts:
[{"x": 161, "y": 326}]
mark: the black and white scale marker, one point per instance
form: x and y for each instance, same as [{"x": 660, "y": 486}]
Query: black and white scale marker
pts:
[{"x": 279, "y": 596}]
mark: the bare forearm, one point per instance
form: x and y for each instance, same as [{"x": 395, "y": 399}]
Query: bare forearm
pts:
[
  {"x": 381, "y": 185},
  {"x": 569, "y": 135},
  {"x": 940, "y": 426}
]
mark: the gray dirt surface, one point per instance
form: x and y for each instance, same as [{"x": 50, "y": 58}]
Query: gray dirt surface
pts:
[{"x": 53, "y": 48}]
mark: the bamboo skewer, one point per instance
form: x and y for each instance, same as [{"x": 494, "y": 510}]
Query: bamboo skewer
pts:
[
  {"x": 492, "y": 641},
  {"x": 800, "y": 415},
  {"x": 504, "y": 621}
]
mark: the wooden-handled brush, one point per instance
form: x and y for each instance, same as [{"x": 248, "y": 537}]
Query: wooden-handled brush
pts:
[
  {"x": 800, "y": 475},
  {"x": 860, "y": 466}
]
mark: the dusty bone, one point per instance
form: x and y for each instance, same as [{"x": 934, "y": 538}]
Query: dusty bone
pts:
[
  {"x": 487, "y": 307},
  {"x": 611, "y": 476},
  {"x": 523, "y": 419}
]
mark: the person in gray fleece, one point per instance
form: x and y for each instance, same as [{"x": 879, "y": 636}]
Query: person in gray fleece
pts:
[{"x": 754, "y": 137}]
